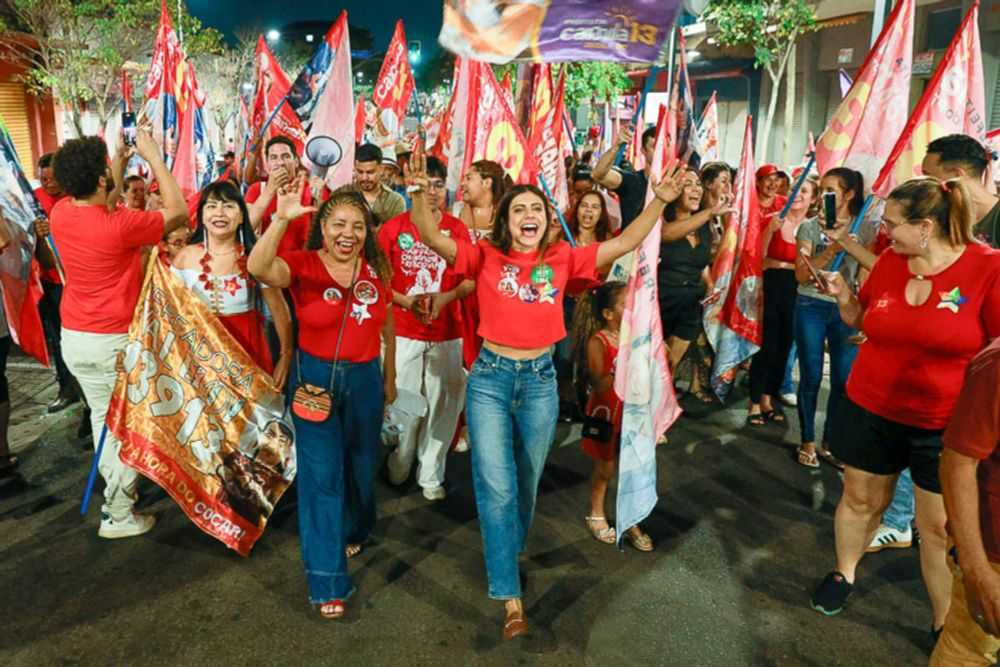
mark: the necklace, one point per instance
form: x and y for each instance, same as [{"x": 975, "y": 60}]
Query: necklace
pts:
[{"x": 211, "y": 283}]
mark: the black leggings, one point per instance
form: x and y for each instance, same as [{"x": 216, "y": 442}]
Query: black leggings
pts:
[
  {"x": 767, "y": 370},
  {"x": 4, "y": 351}
]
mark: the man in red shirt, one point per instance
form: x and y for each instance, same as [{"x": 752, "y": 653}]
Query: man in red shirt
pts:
[
  {"x": 283, "y": 165},
  {"x": 101, "y": 252},
  {"x": 970, "y": 481},
  {"x": 769, "y": 201},
  {"x": 48, "y": 307},
  {"x": 134, "y": 193},
  {"x": 428, "y": 337}
]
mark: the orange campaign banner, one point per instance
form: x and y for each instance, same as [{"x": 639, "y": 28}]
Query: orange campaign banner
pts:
[
  {"x": 954, "y": 102},
  {"x": 869, "y": 119},
  {"x": 395, "y": 80},
  {"x": 491, "y": 129},
  {"x": 198, "y": 417}
]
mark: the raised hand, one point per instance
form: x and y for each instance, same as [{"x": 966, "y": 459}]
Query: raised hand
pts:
[
  {"x": 672, "y": 185},
  {"x": 415, "y": 172},
  {"x": 624, "y": 137},
  {"x": 724, "y": 206},
  {"x": 290, "y": 200},
  {"x": 146, "y": 146}
]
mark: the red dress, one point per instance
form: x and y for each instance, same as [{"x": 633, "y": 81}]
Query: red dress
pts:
[{"x": 605, "y": 405}]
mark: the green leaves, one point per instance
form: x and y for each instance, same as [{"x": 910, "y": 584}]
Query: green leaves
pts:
[
  {"x": 769, "y": 27},
  {"x": 586, "y": 81}
]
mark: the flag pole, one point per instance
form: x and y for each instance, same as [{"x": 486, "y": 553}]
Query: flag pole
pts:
[
  {"x": 263, "y": 130},
  {"x": 562, "y": 221},
  {"x": 798, "y": 185},
  {"x": 93, "y": 471},
  {"x": 854, "y": 230},
  {"x": 654, "y": 72}
]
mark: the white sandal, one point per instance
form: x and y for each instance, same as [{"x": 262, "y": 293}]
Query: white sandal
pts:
[{"x": 606, "y": 535}]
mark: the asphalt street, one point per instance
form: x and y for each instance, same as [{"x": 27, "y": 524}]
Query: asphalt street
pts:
[{"x": 742, "y": 534}]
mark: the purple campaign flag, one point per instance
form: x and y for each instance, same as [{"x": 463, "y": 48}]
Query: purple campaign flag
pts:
[{"x": 498, "y": 31}]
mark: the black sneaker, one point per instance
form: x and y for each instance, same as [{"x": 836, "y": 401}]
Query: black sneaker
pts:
[{"x": 831, "y": 595}]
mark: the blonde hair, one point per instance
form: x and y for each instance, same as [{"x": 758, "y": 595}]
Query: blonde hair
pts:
[{"x": 948, "y": 203}]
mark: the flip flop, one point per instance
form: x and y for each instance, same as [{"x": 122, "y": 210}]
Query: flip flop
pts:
[
  {"x": 756, "y": 419},
  {"x": 775, "y": 415},
  {"x": 332, "y": 609},
  {"x": 808, "y": 459},
  {"x": 353, "y": 550}
]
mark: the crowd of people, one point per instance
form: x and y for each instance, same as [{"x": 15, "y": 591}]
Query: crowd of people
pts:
[{"x": 485, "y": 309}]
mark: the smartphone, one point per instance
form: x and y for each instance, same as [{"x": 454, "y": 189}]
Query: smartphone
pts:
[
  {"x": 128, "y": 127},
  {"x": 830, "y": 209},
  {"x": 820, "y": 280}
]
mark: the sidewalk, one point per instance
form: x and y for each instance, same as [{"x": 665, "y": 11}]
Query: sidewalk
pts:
[{"x": 32, "y": 388}]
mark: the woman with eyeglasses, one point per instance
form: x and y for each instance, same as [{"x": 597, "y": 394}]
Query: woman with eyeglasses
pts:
[{"x": 930, "y": 304}]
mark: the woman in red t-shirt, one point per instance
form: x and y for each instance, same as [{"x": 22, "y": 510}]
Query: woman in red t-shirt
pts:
[
  {"x": 214, "y": 267},
  {"x": 341, "y": 287},
  {"x": 927, "y": 308},
  {"x": 512, "y": 401}
]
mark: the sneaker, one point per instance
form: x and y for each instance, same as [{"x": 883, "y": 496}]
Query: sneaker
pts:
[
  {"x": 831, "y": 595},
  {"x": 887, "y": 537},
  {"x": 462, "y": 445},
  {"x": 434, "y": 493},
  {"x": 134, "y": 524},
  {"x": 791, "y": 400}
]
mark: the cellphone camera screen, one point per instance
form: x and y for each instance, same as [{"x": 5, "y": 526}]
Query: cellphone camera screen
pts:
[{"x": 128, "y": 128}]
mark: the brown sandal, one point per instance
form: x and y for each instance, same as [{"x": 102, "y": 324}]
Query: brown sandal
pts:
[
  {"x": 332, "y": 609},
  {"x": 515, "y": 624}
]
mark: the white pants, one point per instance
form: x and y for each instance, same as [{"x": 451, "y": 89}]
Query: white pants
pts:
[
  {"x": 91, "y": 358},
  {"x": 433, "y": 370}
]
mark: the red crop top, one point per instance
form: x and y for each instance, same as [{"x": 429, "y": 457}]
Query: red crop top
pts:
[
  {"x": 520, "y": 299},
  {"x": 781, "y": 250}
]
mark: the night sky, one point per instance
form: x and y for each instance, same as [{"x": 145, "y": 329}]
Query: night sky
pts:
[{"x": 421, "y": 18}]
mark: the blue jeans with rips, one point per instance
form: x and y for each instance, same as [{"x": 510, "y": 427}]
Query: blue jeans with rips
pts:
[
  {"x": 817, "y": 321},
  {"x": 512, "y": 407},
  {"x": 337, "y": 459}
]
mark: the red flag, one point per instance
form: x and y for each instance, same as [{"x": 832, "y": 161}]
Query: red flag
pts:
[
  {"x": 272, "y": 87},
  {"x": 547, "y": 129},
  {"x": 327, "y": 108},
  {"x": 953, "y": 103},
  {"x": 359, "y": 118},
  {"x": 395, "y": 80},
  {"x": 126, "y": 93},
  {"x": 163, "y": 86},
  {"x": 870, "y": 118},
  {"x": 185, "y": 166},
  {"x": 733, "y": 322},
  {"x": 508, "y": 88},
  {"x": 491, "y": 128},
  {"x": 633, "y": 152},
  {"x": 708, "y": 131}
]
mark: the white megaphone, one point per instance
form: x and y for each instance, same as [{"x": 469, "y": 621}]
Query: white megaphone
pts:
[{"x": 323, "y": 152}]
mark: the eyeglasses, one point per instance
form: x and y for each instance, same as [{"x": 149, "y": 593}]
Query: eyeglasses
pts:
[
  {"x": 435, "y": 185},
  {"x": 891, "y": 225}
]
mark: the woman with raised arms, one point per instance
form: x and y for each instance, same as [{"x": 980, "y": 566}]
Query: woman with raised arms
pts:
[{"x": 511, "y": 398}]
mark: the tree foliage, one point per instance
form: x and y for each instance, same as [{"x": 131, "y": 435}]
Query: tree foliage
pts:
[
  {"x": 75, "y": 50},
  {"x": 771, "y": 28},
  {"x": 589, "y": 81}
]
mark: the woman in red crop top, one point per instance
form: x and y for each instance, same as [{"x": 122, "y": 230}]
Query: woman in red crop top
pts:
[
  {"x": 929, "y": 305},
  {"x": 767, "y": 370},
  {"x": 511, "y": 397},
  {"x": 341, "y": 287}
]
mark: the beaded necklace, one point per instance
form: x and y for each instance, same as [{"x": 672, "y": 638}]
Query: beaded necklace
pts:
[{"x": 211, "y": 283}]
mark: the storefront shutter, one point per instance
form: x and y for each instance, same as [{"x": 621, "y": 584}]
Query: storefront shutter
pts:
[{"x": 14, "y": 110}]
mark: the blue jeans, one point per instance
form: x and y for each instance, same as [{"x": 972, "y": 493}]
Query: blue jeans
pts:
[
  {"x": 788, "y": 385},
  {"x": 817, "y": 321},
  {"x": 336, "y": 471},
  {"x": 512, "y": 407},
  {"x": 899, "y": 516}
]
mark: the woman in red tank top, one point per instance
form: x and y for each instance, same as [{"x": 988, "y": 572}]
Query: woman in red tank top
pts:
[{"x": 767, "y": 371}]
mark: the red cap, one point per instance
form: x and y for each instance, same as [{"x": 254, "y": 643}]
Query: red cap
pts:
[{"x": 766, "y": 170}]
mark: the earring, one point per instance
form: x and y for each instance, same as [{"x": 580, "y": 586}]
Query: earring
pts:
[{"x": 923, "y": 243}]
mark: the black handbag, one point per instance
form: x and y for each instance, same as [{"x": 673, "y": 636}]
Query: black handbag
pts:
[{"x": 596, "y": 427}]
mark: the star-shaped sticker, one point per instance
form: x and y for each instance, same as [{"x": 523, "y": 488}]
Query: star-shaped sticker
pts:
[
  {"x": 359, "y": 311},
  {"x": 547, "y": 293},
  {"x": 952, "y": 300},
  {"x": 232, "y": 285}
]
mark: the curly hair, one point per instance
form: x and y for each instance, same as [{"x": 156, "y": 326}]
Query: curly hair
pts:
[
  {"x": 372, "y": 250},
  {"x": 79, "y": 165},
  {"x": 588, "y": 319}
]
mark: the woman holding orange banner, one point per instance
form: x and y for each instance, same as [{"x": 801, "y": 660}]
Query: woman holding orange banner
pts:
[
  {"x": 214, "y": 266},
  {"x": 512, "y": 398},
  {"x": 341, "y": 287}
]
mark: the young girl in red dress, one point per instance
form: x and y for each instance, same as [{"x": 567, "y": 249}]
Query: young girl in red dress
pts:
[{"x": 596, "y": 324}]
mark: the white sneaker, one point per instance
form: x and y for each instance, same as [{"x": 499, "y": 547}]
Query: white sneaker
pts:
[
  {"x": 791, "y": 400},
  {"x": 890, "y": 538},
  {"x": 134, "y": 524},
  {"x": 462, "y": 445},
  {"x": 435, "y": 493}
]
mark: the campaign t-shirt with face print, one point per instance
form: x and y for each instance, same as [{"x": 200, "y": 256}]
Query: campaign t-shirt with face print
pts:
[
  {"x": 911, "y": 366},
  {"x": 520, "y": 297},
  {"x": 320, "y": 302}
]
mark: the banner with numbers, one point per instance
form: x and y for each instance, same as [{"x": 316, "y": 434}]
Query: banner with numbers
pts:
[{"x": 196, "y": 416}]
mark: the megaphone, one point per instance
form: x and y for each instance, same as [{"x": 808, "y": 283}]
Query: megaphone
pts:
[{"x": 323, "y": 152}]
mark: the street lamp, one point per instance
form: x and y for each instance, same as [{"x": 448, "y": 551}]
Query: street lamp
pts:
[
  {"x": 273, "y": 35},
  {"x": 360, "y": 75}
]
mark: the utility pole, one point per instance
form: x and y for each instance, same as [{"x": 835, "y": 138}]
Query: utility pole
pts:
[{"x": 882, "y": 9}]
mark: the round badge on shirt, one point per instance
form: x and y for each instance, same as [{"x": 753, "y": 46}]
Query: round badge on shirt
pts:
[
  {"x": 541, "y": 274},
  {"x": 528, "y": 293},
  {"x": 405, "y": 240},
  {"x": 332, "y": 295}
]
